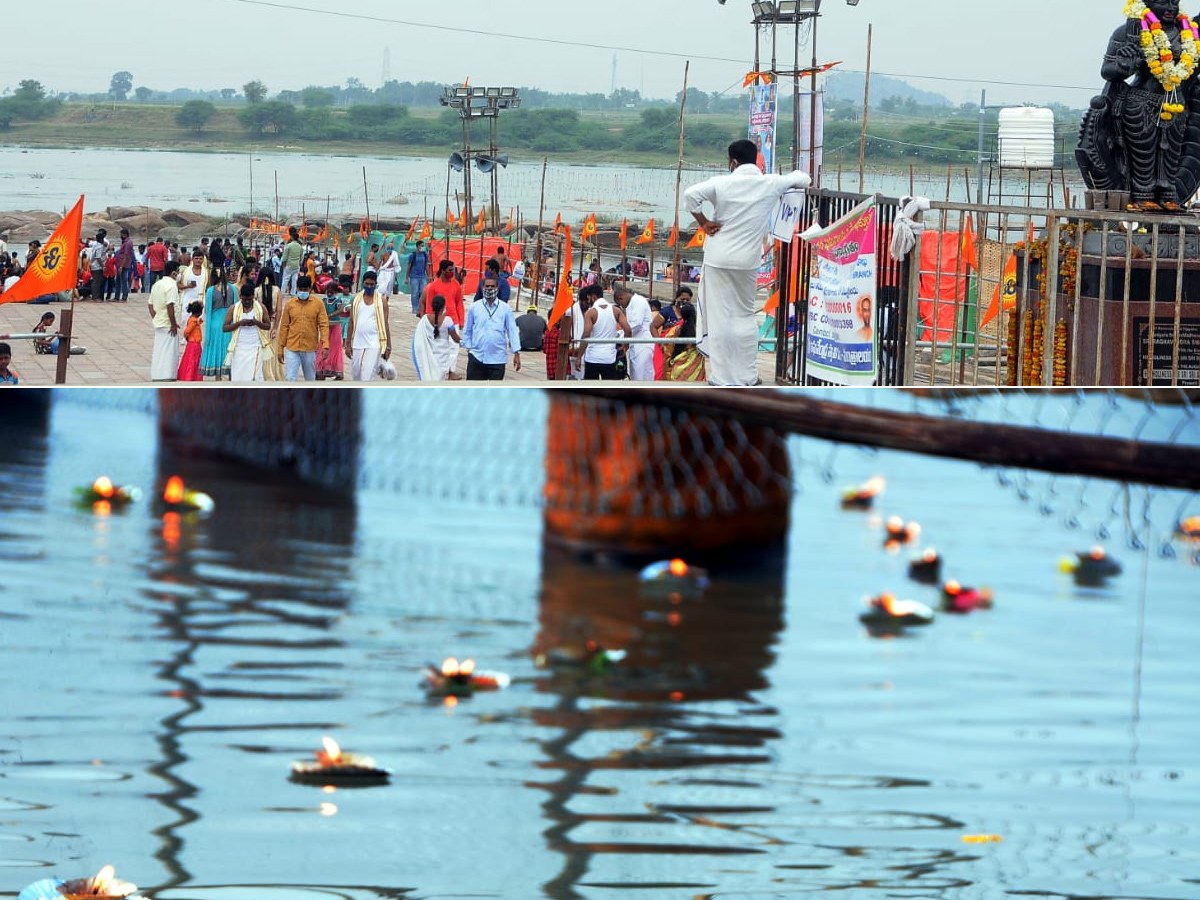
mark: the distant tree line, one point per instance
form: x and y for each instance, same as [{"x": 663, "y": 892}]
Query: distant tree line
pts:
[{"x": 28, "y": 103}]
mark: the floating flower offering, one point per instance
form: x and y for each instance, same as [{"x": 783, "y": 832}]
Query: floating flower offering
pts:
[
  {"x": 959, "y": 599},
  {"x": 334, "y": 764},
  {"x": 901, "y": 532},
  {"x": 103, "y": 885},
  {"x": 981, "y": 839},
  {"x": 590, "y": 656},
  {"x": 1092, "y": 567},
  {"x": 887, "y": 615},
  {"x": 177, "y": 498},
  {"x": 461, "y": 679},
  {"x": 673, "y": 574},
  {"x": 926, "y": 568},
  {"x": 863, "y": 496},
  {"x": 104, "y": 496},
  {"x": 1189, "y": 527}
]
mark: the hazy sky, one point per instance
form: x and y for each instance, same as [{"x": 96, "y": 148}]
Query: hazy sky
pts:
[{"x": 1029, "y": 44}]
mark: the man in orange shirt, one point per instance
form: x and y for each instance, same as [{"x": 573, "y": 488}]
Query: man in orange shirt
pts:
[{"x": 449, "y": 287}]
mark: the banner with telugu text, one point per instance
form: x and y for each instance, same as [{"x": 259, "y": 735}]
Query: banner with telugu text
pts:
[{"x": 842, "y": 340}]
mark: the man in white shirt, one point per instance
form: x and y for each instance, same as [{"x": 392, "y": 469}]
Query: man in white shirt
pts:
[
  {"x": 742, "y": 202},
  {"x": 388, "y": 270},
  {"x": 639, "y": 315}
]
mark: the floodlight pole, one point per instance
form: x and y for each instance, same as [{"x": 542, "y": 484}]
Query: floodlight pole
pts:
[{"x": 466, "y": 114}]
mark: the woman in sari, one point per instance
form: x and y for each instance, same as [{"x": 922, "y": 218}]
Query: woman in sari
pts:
[
  {"x": 684, "y": 361},
  {"x": 329, "y": 362},
  {"x": 435, "y": 343},
  {"x": 217, "y": 301},
  {"x": 268, "y": 295},
  {"x": 247, "y": 325}
]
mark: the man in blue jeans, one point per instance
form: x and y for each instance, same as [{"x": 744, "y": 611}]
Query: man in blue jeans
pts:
[
  {"x": 125, "y": 264},
  {"x": 303, "y": 330},
  {"x": 418, "y": 267},
  {"x": 490, "y": 334}
]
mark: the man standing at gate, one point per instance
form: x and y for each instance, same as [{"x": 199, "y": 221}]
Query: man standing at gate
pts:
[{"x": 742, "y": 202}]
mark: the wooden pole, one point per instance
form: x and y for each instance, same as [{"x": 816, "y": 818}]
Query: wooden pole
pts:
[
  {"x": 276, "y": 196},
  {"x": 679, "y": 183},
  {"x": 536, "y": 281},
  {"x": 367, "y": 200},
  {"x": 64, "y": 343},
  {"x": 862, "y": 143},
  {"x": 251, "y": 157}
]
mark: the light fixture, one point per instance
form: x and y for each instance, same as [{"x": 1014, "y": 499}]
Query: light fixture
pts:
[
  {"x": 512, "y": 91},
  {"x": 788, "y": 8},
  {"x": 763, "y": 9}
]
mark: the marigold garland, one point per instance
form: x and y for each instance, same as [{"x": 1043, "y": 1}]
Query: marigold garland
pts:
[{"x": 1160, "y": 56}]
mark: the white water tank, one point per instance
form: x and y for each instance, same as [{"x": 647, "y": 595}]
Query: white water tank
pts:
[{"x": 1026, "y": 138}]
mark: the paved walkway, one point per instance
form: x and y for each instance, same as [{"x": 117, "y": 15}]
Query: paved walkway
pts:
[{"x": 119, "y": 339}]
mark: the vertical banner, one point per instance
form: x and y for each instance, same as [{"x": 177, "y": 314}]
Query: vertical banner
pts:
[
  {"x": 804, "y": 138},
  {"x": 763, "y": 113},
  {"x": 842, "y": 342}
]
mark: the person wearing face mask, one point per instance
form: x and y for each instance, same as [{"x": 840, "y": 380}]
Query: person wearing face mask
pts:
[
  {"x": 447, "y": 286},
  {"x": 742, "y": 202},
  {"x": 303, "y": 329},
  {"x": 490, "y": 333},
  {"x": 370, "y": 337},
  {"x": 492, "y": 269}
]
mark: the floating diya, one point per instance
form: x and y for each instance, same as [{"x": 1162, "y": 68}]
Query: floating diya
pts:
[
  {"x": 177, "y": 498},
  {"x": 926, "y": 568},
  {"x": 887, "y": 615},
  {"x": 104, "y": 885},
  {"x": 1092, "y": 568},
  {"x": 863, "y": 496},
  {"x": 589, "y": 655},
  {"x": 334, "y": 765},
  {"x": 959, "y": 599},
  {"x": 461, "y": 679},
  {"x": 104, "y": 496},
  {"x": 673, "y": 575},
  {"x": 1189, "y": 528},
  {"x": 900, "y": 532}
]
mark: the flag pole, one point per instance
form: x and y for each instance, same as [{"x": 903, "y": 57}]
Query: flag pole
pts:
[
  {"x": 367, "y": 201},
  {"x": 679, "y": 181},
  {"x": 862, "y": 144}
]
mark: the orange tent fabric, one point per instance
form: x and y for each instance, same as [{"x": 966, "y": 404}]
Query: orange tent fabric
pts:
[{"x": 944, "y": 283}]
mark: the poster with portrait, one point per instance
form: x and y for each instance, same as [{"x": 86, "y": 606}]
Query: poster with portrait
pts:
[
  {"x": 764, "y": 108},
  {"x": 842, "y": 322}
]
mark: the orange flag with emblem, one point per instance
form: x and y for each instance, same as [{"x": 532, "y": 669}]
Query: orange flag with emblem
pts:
[
  {"x": 55, "y": 268},
  {"x": 589, "y": 226},
  {"x": 1006, "y": 288},
  {"x": 647, "y": 234},
  {"x": 427, "y": 231},
  {"x": 697, "y": 239}
]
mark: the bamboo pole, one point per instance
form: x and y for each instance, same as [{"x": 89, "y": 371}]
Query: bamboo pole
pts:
[
  {"x": 536, "y": 280},
  {"x": 367, "y": 201},
  {"x": 862, "y": 143},
  {"x": 276, "y": 196},
  {"x": 679, "y": 182}
]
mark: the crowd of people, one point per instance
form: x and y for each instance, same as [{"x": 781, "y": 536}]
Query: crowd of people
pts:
[{"x": 291, "y": 312}]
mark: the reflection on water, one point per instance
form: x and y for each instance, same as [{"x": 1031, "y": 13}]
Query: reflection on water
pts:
[{"x": 157, "y": 678}]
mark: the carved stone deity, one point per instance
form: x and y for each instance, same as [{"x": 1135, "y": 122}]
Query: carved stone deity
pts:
[{"x": 1142, "y": 134}]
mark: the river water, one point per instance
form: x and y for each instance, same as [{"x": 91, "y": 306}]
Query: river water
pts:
[
  {"x": 157, "y": 682},
  {"x": 218, "y": 184}
]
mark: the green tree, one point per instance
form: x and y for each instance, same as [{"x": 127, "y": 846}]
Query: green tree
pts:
[
  {"x": 120, "y": 85},
  {"x": 143, "y": 94},
  {"x": 30, "y": 91},
  {"x": 255, "y": 91},
  {"x": 228, "y": 94},
  {"x": 28, "y": 102},
  {"x": 313, "y": 97},
  {"x": 195, "y": 114},
  {"x": 275, "y": 115}
]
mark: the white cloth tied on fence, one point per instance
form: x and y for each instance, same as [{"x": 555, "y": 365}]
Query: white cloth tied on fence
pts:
[{"x": 906, "y": 231}]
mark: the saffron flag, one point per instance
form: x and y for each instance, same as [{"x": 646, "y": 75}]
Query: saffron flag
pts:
[
  {"x": 558, "y": 223},
  {"x": 55, "y": 268},
  {"x": 427, "y": 232},
  {"x": 304, "y": 231},
  {"x": 511, "y": 225},
  {"x": 624, "y": 232},
  {"x": 479, "y": 224},
  {"x": 674, "y": 235},
  {"x": 450, "y": 217},
  {"x": 1006, "y": 288},
  {"x": 589, "y": 226},
  {"x": 411, "y": 230},
  {"x": 647, "y": 234},
  {"x": 564, "y": 297},
  {"x": 697, "y": 239},
  {"x": 968, "y": 251}
]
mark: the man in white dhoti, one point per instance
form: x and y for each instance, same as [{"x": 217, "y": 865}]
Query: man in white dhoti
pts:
[
  {"x": 388, "y": 270},
  {"x": 639, "y": 315},
  {"x": 370, "y": 338},
  {"x": 164, "y": 299},
  {"x": 742, "y": 202}
]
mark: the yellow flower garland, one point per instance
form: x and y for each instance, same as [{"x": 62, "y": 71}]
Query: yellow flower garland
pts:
[{"x": 1160, "y": 57}]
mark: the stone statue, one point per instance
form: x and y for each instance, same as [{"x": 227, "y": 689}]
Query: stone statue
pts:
[{"x": 1142, "y": 134}]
